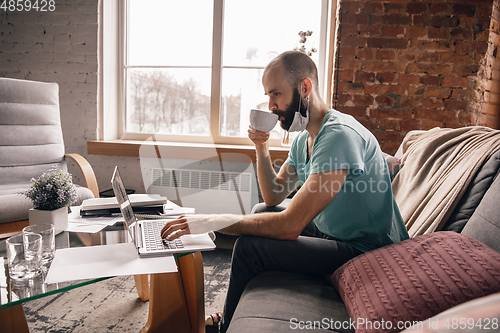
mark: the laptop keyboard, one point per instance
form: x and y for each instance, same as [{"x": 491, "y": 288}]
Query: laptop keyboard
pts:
[{"x": 153, "y": 239}]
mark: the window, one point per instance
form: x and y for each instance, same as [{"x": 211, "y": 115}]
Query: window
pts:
[{"x": 191, "y": 70}]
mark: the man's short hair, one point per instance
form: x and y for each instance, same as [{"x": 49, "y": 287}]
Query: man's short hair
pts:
[{"x": 296, "y": 67}]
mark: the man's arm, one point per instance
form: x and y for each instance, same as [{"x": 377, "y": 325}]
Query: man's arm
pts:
[
  {"x": 274, "y": 187},
  {"x": 317, "y": 192}
]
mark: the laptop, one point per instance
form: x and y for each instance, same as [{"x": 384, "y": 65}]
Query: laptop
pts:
[{"x": 146, "y": 233}]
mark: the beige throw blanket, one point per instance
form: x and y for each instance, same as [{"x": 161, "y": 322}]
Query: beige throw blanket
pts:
[{"x": 438, "y": 166}]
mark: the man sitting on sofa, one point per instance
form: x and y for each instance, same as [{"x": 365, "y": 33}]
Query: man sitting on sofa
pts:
[{"x": 345, "y": 204}]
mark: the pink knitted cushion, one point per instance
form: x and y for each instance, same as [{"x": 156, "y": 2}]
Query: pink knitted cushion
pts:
[{"x": 389, "y": 288}]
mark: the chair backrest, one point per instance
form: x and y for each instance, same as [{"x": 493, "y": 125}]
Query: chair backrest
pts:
[{"x": 31, "y": 139}]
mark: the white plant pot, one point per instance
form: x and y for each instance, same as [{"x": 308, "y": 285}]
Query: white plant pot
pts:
[{"x": 58, "y": 217}]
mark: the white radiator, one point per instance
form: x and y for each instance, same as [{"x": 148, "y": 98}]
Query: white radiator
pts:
[{"x": 209, "y": 192}]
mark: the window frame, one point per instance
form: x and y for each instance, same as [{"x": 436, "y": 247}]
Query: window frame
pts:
[{"x": 113, "y": 48}]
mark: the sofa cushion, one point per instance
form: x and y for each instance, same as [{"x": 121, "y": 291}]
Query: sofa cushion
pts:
[
  {"x": 474, "y": 194},
  {"x": 479, "y": 315},
  {"x": 283, "y": 302},
  {"x": 484, "y": 224},
  {"x": 416, "y": 279}
]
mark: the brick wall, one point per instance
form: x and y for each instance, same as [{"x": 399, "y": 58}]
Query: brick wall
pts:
[
  {"x": 61, "y": 46},
  {"x": 407, "y": 65},
  {"x": 488, "y": 85},
  {"x": 57, "y": 46}
]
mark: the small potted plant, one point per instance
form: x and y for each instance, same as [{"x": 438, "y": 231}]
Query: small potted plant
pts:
[{"x": 51, "y": 194}]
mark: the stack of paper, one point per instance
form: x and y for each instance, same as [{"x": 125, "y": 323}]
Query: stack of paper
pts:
[
  {"x": 98, "y": 206},
  {"x": 90, "y": 224}
]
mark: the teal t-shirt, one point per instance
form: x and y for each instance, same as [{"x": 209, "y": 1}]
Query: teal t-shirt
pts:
[{"x": 364, "y": 212}]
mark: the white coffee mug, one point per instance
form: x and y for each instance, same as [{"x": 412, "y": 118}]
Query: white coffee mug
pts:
[{"x": 263, "y": 120}]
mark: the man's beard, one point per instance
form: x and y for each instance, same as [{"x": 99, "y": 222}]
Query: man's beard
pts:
[{"x": 297, "y": 104}]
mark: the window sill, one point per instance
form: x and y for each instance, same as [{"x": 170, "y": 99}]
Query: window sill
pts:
[{"x": 177, "y": 150}]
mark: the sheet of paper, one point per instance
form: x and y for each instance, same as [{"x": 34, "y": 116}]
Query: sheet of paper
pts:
[
  {"x": 78, "y": 227},
  {"x": 105, "y": 260},
  {"x": 171, "y": 209}
]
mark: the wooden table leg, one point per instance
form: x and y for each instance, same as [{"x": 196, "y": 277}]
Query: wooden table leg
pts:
[
  {"x": 13, "y": 319},
  {"x": 89, "y": 239},
  {"x": 177, "y": 299},
  {"x": 167, "y": 305},
  {"x": 191, "y": 269},
  {"x": 142, "y": 286}
]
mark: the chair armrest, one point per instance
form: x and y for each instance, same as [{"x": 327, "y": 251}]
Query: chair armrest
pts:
[{"x": 87, "y": 171}]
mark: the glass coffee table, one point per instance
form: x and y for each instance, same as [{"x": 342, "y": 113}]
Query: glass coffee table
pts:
[{"x": 176, "y": 300}]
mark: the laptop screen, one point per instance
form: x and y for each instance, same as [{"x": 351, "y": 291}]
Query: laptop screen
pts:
[{"x": 123, "y": 201}]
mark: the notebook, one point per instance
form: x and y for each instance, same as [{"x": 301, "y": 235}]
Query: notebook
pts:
[{"x": 146, "y": 233}]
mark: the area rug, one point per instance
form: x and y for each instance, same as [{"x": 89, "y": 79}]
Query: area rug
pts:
[{"x": 113, "y": 305}]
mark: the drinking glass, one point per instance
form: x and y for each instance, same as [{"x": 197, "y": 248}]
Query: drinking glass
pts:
[
  {"x": 47, "y": 231},
  {"x": 24, "y": 255}
]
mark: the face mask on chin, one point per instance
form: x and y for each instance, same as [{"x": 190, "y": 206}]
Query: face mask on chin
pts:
[
  {"x": 300, "y": 122},
  {"x": 295, "y": 118}
]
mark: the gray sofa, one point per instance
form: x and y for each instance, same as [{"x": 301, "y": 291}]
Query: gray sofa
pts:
[
  {"x": 31, "y": 142},
  {"x": 273, "y": 301}
]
